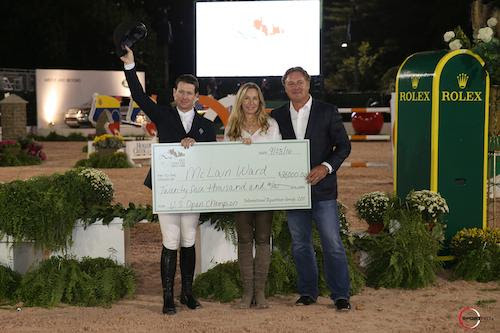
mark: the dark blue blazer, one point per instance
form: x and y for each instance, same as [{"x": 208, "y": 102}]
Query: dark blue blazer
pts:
[
  {"x": 328, "y": 142},
  {"x": 167, "y": 120}
]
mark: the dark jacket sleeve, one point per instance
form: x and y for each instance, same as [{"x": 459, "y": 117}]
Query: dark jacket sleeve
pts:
[
  {"x": 341, "y": 142},
  {"x": 149, "y": 107},
  {"x": 211, "y": 132}
]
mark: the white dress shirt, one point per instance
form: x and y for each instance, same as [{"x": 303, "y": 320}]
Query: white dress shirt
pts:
[
  {"x": 186, "y": 118},
  {"x": 300, "y": 118},
  {"x": 272, "y": 133},
  {"x": 129, "y": 66}
]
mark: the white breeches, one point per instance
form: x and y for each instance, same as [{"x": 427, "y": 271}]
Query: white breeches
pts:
[{"x": 178, "y": 228}]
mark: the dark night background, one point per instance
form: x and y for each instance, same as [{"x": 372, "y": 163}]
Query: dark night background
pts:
[{"x": 77, "y": 34}]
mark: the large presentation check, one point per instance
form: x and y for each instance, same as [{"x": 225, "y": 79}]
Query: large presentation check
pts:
[{"x": 230, "y": 176}]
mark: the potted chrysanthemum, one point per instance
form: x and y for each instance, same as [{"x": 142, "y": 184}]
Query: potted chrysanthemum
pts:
[
  {"x": 371, "y": 208},
  {"x": 431, "y": 205},
  {"x": 108, "y": 143},
  {"x": 477, "y": 254}
]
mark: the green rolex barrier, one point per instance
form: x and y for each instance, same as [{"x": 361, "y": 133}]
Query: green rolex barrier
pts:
[
  {"x": 412, "y": 131},
  {"x": 441, "y": 133}
]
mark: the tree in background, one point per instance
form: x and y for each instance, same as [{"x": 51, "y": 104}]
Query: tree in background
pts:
[
  {"x": 364, "y": 66},
  {"x": 394, "y": 30}
]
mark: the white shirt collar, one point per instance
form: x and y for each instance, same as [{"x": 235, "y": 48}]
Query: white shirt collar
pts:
[
  {"x": 186, "y": 114},
  {"x": 306, "y": 107},
  {"x": 186, "y": 119}
]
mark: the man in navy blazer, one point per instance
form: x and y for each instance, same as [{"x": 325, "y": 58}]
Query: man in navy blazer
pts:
[
  {"x": 174, "y": 124},
  {"x": 307, "y": 118}
]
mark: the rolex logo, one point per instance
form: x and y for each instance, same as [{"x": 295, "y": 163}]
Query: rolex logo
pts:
[
  {"x": 414, "y": 81},
  {"x": 462, "y": 80}
]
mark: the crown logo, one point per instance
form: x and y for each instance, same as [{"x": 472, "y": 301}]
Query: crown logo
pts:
[
  {"x": 414, "y": 81},
  {"x": 462, "y": 79}
]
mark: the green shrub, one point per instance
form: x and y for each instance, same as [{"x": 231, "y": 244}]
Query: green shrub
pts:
[
  {"x": 130, "y": 215},
  {"x": 406, "y": 257},
  {"x": 477, "y": 254},
  {"x": 44, "y": 209},
  {"x": 18, "y": 159},
  {"x": 105, "y": 161},
  {"x": 357, "y": 279},
  {"x": 94, "y": 186},
  {"x": 36, "y": 210},
  {"x": 13, "y": 153},
  {"x": 221, "y": 221},
  {"x": 91, "y": 282},
  {"x": 76, "y": 137},
  {"x": 282, "y": 278},
  {"x": 221, "y": 283},
  {"x": 282, "y": 273},
  {"x": 9, "y": 282}
]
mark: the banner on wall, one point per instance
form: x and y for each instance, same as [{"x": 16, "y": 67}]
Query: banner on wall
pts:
[{"x": 58, "y": 90}]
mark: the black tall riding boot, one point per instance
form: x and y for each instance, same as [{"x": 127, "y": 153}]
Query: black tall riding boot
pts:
[
  {"x": 188, "y": 260},
  {"x": 168, "y": 266}
]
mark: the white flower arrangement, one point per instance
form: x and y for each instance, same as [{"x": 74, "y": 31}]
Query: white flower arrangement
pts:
[
  {"x": 448, "y": 36},
  {"x": 485, "y": 34},
  {"x": 484, "y": 44},
  {"x": 430, "y": 204},
  {"x": 492, "y": 22},
  {"x": 372, "y": 206},
  {"x": 99, "y": 182},
  {"x": 455, "y": 45}
]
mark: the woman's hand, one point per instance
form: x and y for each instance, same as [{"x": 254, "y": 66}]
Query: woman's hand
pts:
[
  {"x": 246, "y": 141},
  {"x": 187, "y": 142},
  {"x": 128, "y": 58}
]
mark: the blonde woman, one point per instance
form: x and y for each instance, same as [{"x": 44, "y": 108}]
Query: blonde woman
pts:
[{"x": 248, "y": 123}]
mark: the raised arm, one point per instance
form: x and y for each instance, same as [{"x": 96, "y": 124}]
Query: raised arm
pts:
[{"x": 149, "y": 107}]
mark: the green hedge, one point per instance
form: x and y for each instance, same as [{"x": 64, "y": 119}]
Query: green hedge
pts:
[
  {"x": 96, "y": 160},
  {"x": 53, "y": 136}
]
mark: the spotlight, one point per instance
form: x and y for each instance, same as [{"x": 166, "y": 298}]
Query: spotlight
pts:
[{"x": 344, "y": 45}]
